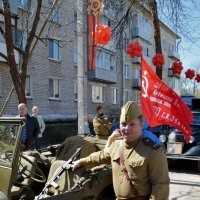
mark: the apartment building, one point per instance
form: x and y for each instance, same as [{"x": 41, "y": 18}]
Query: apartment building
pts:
[{"x": 51, "y": 82}]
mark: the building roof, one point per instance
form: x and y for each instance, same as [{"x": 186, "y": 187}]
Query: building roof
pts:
[{"x": 169, "y": 29}]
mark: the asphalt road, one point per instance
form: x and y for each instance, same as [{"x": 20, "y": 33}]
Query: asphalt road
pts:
[{"x": 184, "y": 181}]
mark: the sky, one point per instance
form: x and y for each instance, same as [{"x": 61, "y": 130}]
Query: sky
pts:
[
  {"x": 187, "y": 26},
  {"x": 190, "y": 53}
]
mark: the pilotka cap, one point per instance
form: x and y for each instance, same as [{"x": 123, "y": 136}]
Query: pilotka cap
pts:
[{"x": 130, "y": 111}]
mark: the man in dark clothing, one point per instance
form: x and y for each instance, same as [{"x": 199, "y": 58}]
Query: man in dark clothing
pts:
[{"x": 32, "y": 128}]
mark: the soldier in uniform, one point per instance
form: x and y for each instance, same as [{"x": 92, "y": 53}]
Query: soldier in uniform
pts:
[
  {"x": 139, "y": 165},
  {"x": 101, "y": 124}
]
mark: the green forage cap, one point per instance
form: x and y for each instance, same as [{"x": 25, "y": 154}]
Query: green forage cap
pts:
[{"x": 130, "y": 111}]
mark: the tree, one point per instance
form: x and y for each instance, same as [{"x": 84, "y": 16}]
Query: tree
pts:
[
  {"x": 175, "y": 13},
  {"x": 33, "y": 27}
]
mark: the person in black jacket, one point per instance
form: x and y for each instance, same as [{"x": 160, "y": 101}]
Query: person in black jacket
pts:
[{"x": 31, "y": 129}]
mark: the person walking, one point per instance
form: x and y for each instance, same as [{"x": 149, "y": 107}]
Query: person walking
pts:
[
  {"x": 31, "y": 130},
  {"x": 139, "y": 165},
  {"x": 35, "y": 113},
  {"x": 101, "y": 124}
]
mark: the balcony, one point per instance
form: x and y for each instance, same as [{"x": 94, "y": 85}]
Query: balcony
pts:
[
  {"x": 136, "y": 60},
  {"x": 136, "y": 84},
  {"x": 4, "y": 51},
  {"x": 173, "y": 55},
  {"x": 138, "y": 32},
  {"x": 103, "y": 75},
  {"x": 170, "y": 74}
]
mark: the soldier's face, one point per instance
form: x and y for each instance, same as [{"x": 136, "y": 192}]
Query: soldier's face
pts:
[
  {"x": 100, "y": 112},
  {"x": 131, "y": 130}
]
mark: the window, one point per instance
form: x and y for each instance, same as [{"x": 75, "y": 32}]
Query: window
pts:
[
  {"x": 75, "y": 56},
  {"x": 75, "y": 21},
  {"x": 97, "y": 94},
  {"x": 145, "y": 24},
  {"x": 24, "y": 4},
  {"x": 114, "y": 96},
  {"x": 104, "y": 21},
  {"x": 28, "y": 86},
  {"x": 168, "y": 65},
  {"x": 126, "y": 41},
  {"x": 21, "y": 40},
  {"x": 113, "y": 63},
  {"x": 99, "y": 59},
  {"x": 126, "y": 71},
  {"x": 54, "y": 49},
  {"x": 106, "y": 60},
  {"x": 75, "y": 90},
  {"x": 170, "y": 47},
  {"x": 54, "y": 88},
  {"x": 56, "y": 12},
  {"x": 126, "y": 96},
  {"x": 147, "y": 51}
]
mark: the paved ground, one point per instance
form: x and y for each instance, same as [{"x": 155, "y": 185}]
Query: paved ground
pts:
[{"x": 184, "y": 186}]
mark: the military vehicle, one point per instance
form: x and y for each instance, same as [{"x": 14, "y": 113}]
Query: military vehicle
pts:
[{"x": 47, "y": 174}]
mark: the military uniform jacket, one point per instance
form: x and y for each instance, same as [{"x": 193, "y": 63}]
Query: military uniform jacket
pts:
[
  {"x": 101, "y": 127},
  {"x": 145, "y": 162}
]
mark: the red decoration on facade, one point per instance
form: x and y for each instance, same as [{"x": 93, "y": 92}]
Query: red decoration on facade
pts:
[
  {"x": 190, "y": 74},
  {"x": 177, "y": 67},
  {"x": 94, "y": 8},
  {"x": 103, "y": 34},
  {"x": 134, "y": 49},
  {"x": 197, "y": 78},
  {"x": 158, "y": 60}
]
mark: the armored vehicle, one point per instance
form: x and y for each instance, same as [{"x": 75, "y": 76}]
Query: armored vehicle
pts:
[{"x": 47, "y": 174}]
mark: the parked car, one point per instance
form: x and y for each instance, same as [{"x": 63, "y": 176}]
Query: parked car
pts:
[
  {"x": 47, "y": 174},
  {"x": 176, "y": 142},
  {"x": 176, "y": 146}
]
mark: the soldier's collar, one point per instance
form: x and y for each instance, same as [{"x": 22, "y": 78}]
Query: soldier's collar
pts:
[{"x": 132, "y": 143}]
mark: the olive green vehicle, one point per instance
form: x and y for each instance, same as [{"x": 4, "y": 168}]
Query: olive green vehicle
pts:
[{"x": 47, "y": 174}]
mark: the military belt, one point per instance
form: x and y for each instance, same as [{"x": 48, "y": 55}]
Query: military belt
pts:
[{"x": 134, "y": 198}]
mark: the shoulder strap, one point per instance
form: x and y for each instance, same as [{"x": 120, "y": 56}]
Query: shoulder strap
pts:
[{"x": 149, "y": 142}]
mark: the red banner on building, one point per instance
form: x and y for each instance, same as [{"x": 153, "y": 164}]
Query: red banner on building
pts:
[
  {"x": 161, "y": 105},
  {"x": 94, "y": 8}
]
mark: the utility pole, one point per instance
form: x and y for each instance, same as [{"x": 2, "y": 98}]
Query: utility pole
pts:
[{"x": 82, "y": 62}]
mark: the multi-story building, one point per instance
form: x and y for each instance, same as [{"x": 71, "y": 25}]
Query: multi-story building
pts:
[{"x": 52, "y": 71}]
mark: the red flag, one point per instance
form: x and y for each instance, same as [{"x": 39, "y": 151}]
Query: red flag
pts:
[{"x": 161, "y": 105}]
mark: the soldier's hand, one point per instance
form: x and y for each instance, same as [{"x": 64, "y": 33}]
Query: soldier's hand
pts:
[
  {"x": 116, "y": 134},
  {"x": 76, "y": 164}
]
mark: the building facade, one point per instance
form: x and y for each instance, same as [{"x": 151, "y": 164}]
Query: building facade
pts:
[{"x": 51, "y": 82}]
